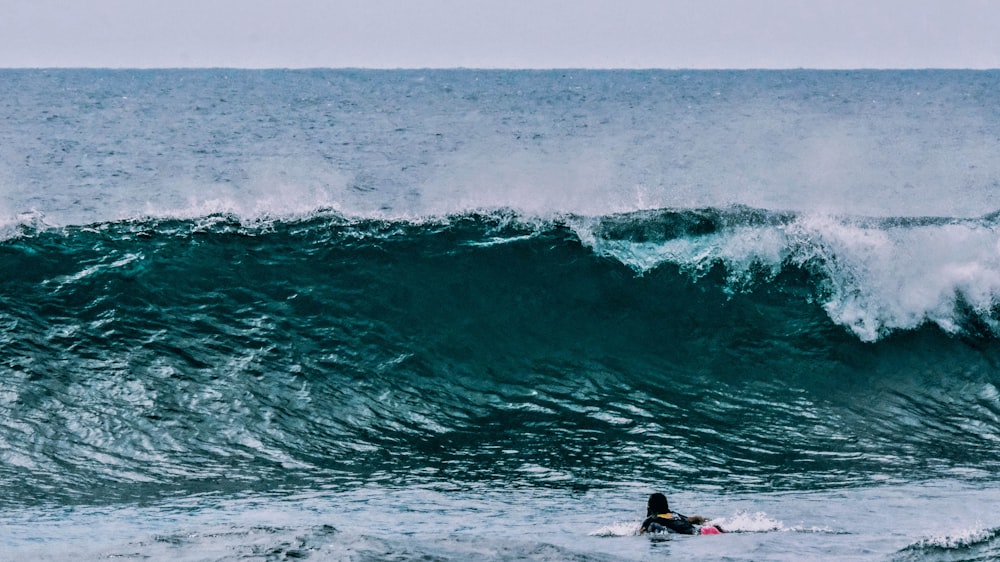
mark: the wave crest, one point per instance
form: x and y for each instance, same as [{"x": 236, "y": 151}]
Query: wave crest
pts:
[
  {"x": 877, "y": 275},
  {"x": 966, "y": 545}
]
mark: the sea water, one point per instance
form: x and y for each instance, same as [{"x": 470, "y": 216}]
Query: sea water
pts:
[{"x": 459, "y": 314}]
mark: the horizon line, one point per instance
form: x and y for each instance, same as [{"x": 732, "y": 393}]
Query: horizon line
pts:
[{"x": 516, "y": 68}]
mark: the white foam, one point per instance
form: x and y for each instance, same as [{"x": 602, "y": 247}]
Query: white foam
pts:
[
  {"x": 12, "y": 226},
  {"x": 273, "y": 188},
  {"x": 760, "y": 522},
  {"x": 617, "y": 529},
  {"x": 746, "y": 522},
  {"x": 880, "y": 276},
  {"x": 890, "y": 278},
  {"x": 960, "y": 538}
]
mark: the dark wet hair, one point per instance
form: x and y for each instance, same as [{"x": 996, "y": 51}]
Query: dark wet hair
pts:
[{"x": 657, "y": 504}]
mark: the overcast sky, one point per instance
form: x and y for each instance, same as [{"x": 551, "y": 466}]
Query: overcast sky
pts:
[{"x": 501, "y": 33}]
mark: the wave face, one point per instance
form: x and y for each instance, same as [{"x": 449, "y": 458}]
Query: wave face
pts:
[{"x": 731, "y": 347}]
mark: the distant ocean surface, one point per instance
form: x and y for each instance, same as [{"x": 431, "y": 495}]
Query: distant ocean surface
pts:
[{"x": 460, "y": 314}]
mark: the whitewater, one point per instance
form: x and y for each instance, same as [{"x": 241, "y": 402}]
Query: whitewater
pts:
[{"x": 454, "y": 314}]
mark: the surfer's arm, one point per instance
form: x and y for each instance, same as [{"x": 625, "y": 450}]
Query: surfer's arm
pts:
[{"x": 704, "y": 521}]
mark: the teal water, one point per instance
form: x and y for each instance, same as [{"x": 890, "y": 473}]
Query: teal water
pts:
[{"x": 451, "y": 314}]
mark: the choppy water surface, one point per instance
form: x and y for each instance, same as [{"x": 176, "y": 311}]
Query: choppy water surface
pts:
[{"x": 452, "y": 314}]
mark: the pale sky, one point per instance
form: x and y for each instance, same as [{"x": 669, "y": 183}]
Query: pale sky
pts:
[{"x": 501, "y": 33}]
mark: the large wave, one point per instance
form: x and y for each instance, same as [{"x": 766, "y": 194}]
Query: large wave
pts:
[{"x": 737, "y": 347}]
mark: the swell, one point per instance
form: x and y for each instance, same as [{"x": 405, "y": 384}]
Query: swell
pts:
[
  {"x": 971, "y": 545},
  {"x": 152, "y": 357}
]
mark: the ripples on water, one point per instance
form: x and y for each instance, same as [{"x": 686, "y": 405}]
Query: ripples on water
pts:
[{"x": 497, "y": 297}]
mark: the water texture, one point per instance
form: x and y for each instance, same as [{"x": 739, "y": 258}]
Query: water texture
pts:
[{"x": 365, "y": 315}]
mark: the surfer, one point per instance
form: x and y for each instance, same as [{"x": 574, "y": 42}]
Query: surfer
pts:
[{"x": 659, "y": 519}]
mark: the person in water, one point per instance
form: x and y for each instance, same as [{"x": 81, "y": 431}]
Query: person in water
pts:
[{"x": 659, "y": 519}]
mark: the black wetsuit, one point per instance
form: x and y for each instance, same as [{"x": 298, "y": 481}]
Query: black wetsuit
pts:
[{"x": 668, "y": 523}]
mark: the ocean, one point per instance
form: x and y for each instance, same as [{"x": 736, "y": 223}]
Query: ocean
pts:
[{"x": 471, "y": 314}]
